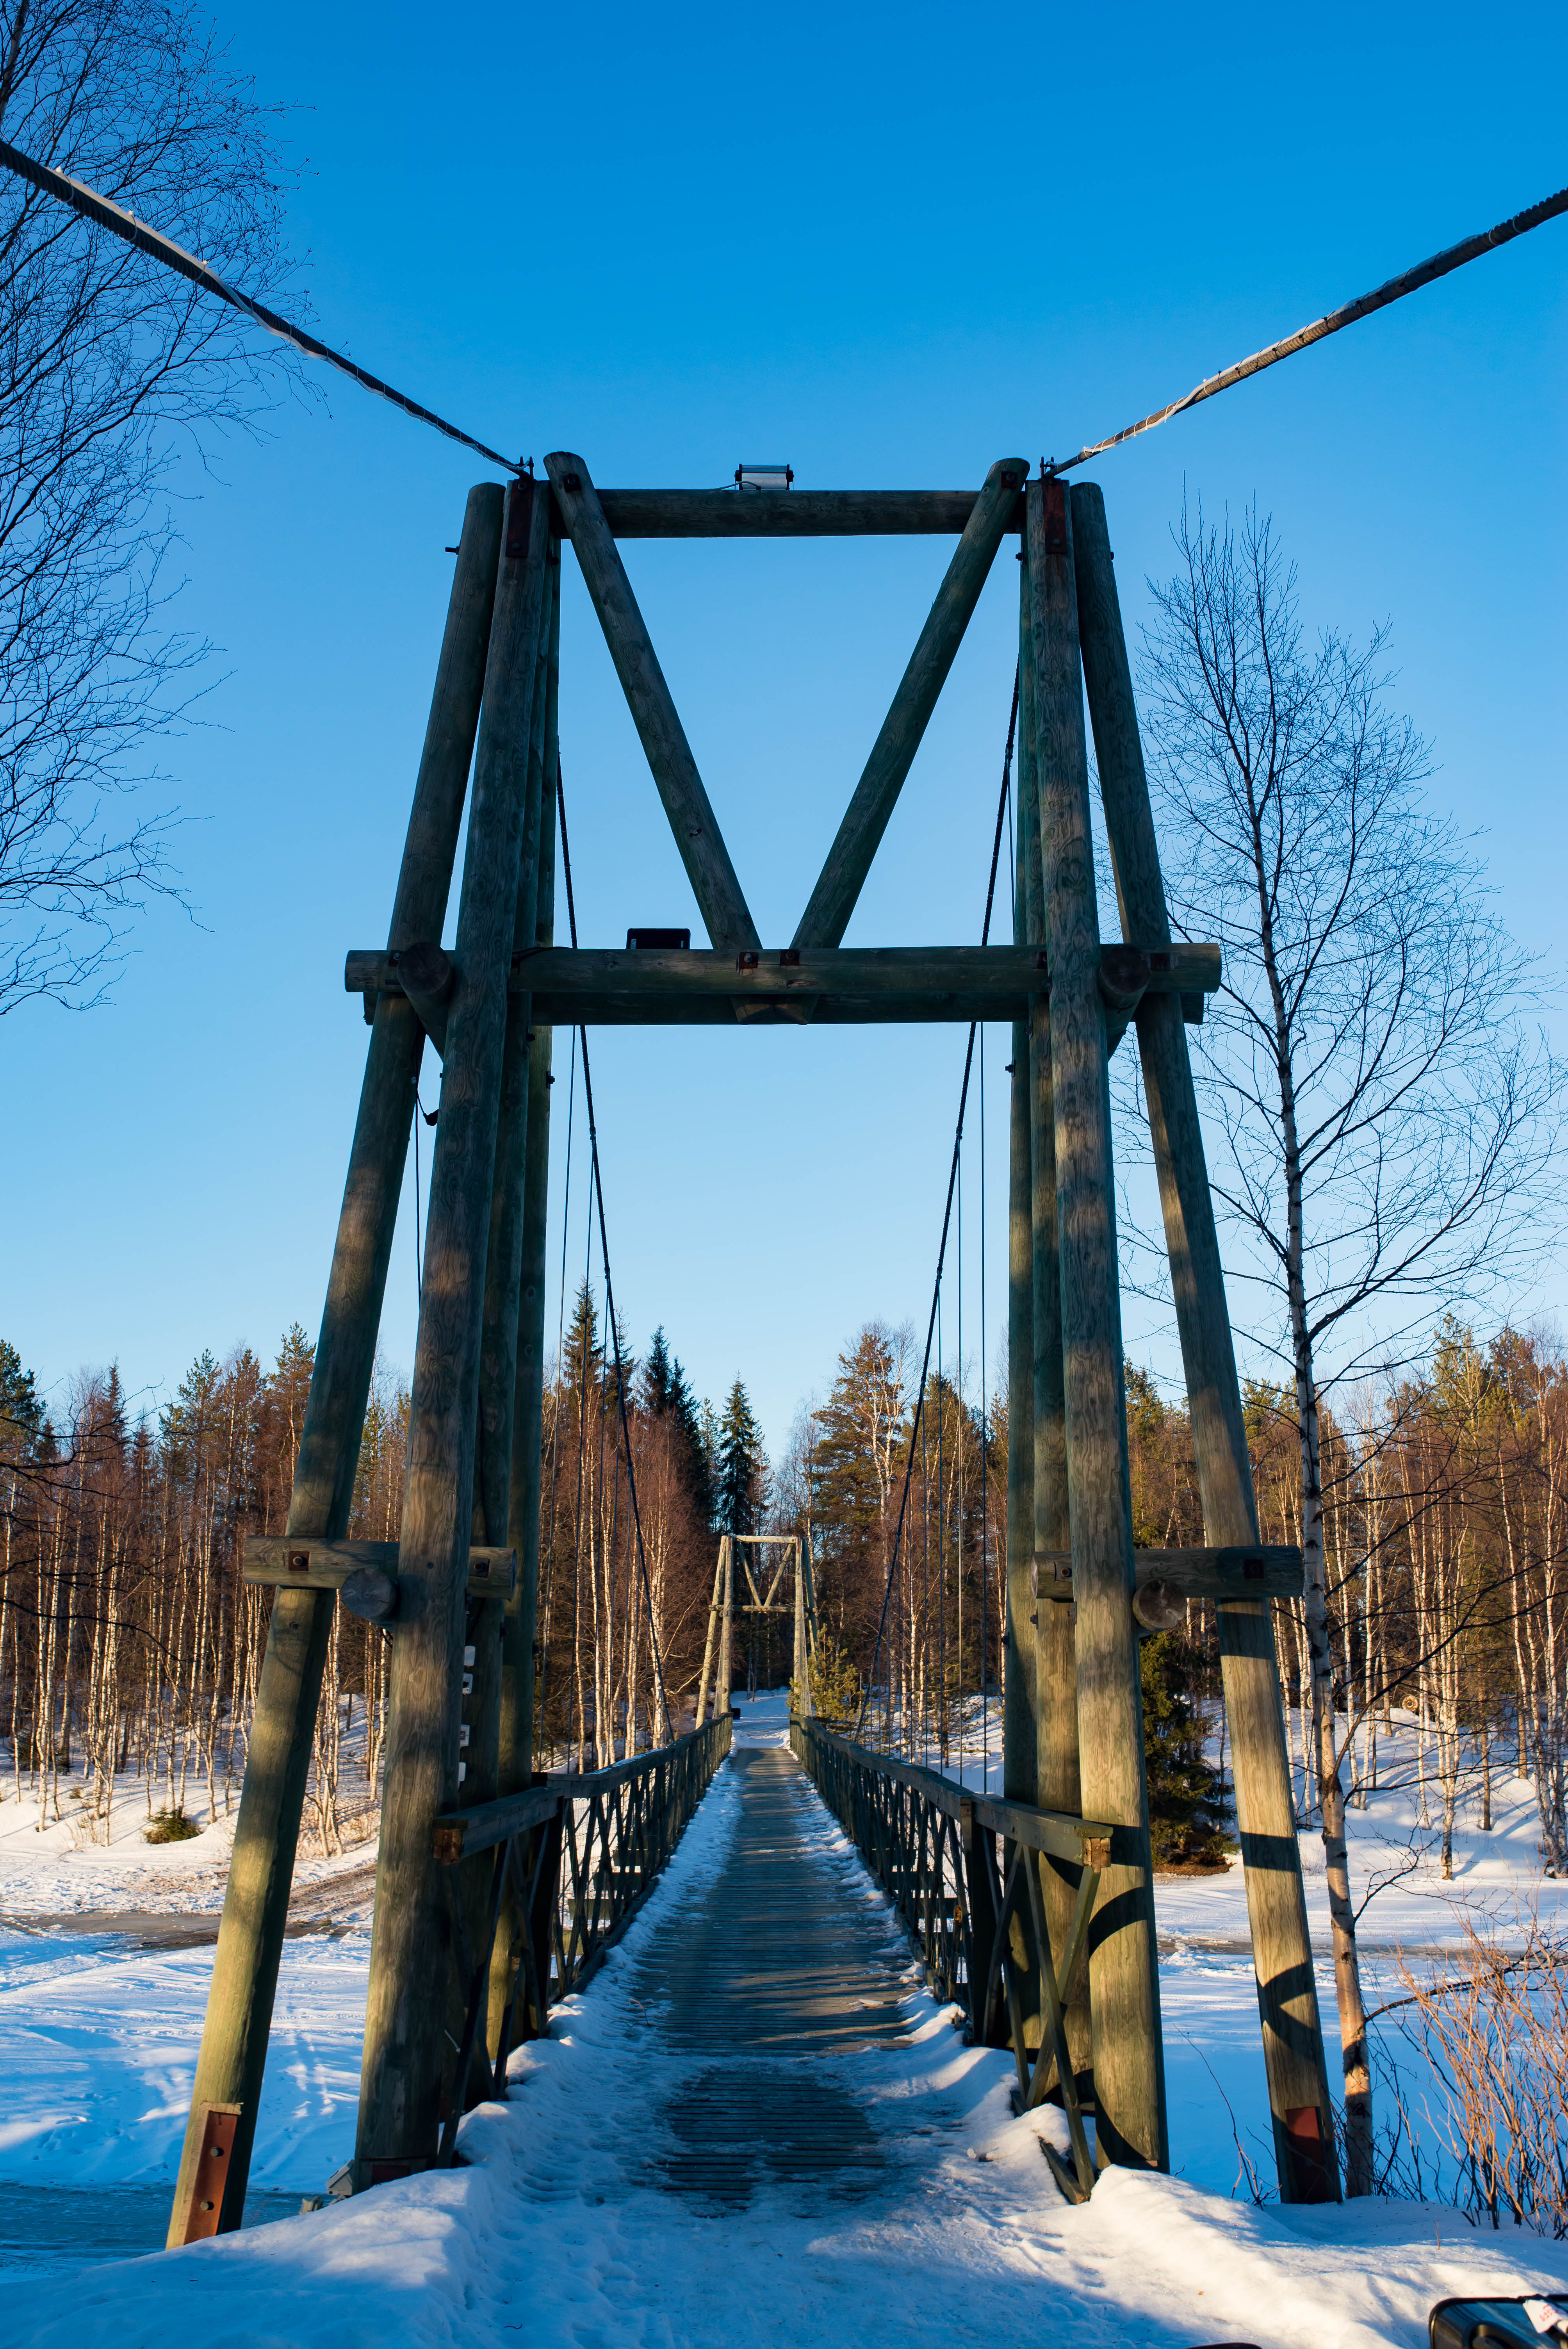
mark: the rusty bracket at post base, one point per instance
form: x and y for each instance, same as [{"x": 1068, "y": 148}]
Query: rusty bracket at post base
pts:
[{"x": 204, "y": 2208}]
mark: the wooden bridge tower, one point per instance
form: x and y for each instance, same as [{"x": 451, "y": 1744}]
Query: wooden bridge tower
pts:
[{"x": 457, "y": 1596}]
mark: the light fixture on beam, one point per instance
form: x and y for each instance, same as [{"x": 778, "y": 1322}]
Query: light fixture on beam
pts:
[{"x": 764, "y": 477}]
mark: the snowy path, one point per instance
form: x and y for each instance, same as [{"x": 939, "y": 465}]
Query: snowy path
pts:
[{"x": 755, "y": 2126}]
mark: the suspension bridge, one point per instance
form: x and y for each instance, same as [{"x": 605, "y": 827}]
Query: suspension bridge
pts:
[{"x": 499, "y": 1891}]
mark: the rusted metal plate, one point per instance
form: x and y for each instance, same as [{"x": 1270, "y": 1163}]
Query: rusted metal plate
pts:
[{"x": 219, "y": 2124}]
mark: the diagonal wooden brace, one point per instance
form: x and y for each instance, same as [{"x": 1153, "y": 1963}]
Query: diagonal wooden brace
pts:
[
  {"x": 697, "y": 836},
  {"x": 842, "y": 877}
]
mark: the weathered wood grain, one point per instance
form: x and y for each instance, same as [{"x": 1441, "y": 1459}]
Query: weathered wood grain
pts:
[
  {"x": 411, "y": 1942},
  {"x": 1261, "y": 1569},
  {"x": 1057, "y": 1785},
  {"x": 232, "y": 2058},
  {"x": 574, "y": 987},
  {"x": 793, "y": 513},
  {"x": 719, "y": 896},
  {"x": 1129, "y": 2067},
  {"x": 1277, "y": 1906},
  {"x": 842, "y": 877},
  {"x": 515, "y": 1763},
  {"x": 275, "y": 1559}
]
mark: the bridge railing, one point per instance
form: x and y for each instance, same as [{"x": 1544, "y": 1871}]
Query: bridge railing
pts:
[
  {"x": 578, "y": 1853},
  {"x": 963, "y": 1869}
]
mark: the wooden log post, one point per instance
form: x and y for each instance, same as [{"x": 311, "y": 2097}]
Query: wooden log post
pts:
[
  {"x": 842, "y": 877},
  {"x": 715, "y": 1605},
  {"x": 1057, "y": 1787},
  {"x": 802, "y": 1672},
  {"x": 1124, "y": 1987},
  {"x": 480, "y": 1766},
  {"x": 233, "y": 2054},
  {"x": 519, "y": 1623},
  {"x": 412, "y": 1943},
  {"x": 722, "y": 1682},
  {"x": 718, "y": 893},
  {"x": 1277, "y": 1906},
  {"x": 1020, "y": 1682},
  {"x": 503, "y": 1277}
]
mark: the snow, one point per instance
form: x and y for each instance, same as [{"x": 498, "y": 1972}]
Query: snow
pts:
[{"x": 559, "y": 2227}]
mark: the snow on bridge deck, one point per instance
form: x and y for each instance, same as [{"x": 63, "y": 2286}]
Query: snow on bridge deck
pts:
[{"x": 754, "y": 2127}]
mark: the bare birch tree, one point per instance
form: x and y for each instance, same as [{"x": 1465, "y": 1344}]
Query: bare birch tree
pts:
[
  {"x": 111, "y": 370},
  {"x": 1387, "y": 1110}
]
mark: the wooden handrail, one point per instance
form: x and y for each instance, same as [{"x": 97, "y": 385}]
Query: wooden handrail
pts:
[{"x": 1057, "y": 1833}]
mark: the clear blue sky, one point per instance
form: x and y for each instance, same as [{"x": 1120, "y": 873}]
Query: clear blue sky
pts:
[{"x": 889, "y": 246}]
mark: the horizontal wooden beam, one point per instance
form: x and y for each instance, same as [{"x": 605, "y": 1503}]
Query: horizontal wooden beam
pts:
[
  {"x": 627, "y": 987},
  {"x": 792, "y": 513},
  {"x": 326, "y": 1565},
  {"x": 459, "y": 1833},
  {"x": 1265, "y": 1570}
]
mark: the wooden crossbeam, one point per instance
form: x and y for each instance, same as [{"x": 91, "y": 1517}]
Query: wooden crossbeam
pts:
[
  {"x": 620, "y": 986},
  {"x": 305, "y": 1565},
  {"x": 1262, "y": 1570},
  {"x": 794, "y": 513}
]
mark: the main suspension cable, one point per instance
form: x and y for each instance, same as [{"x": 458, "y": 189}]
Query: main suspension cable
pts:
[
  {"x": 108, "y": 215},
  {"x": 1410, "y": 281}
]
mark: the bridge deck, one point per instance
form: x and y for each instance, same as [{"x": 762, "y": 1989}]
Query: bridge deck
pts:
[{"x": 773, "y": 1971}]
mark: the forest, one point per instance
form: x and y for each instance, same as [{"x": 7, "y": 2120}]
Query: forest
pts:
[{"x": 129, "y": 1644}]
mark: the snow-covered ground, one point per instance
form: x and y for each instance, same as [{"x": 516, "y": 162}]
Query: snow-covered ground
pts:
[
  {"x": 98, "y": 2034},
  {"x": 556, "y": 2233}
]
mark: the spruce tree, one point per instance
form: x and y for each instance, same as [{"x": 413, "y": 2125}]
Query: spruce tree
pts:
[
  {"x": 742, "y": 1465},
  {"x": 667, "y": 1395},
  {"x": 20, "y": 1411},
  {"x": 1187, "y": 1806}
]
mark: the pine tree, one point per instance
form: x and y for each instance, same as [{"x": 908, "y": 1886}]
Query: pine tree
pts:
[
  {"x": 742, "y": 1465},
  {"x": 20, "y": 1411},
  {"x": 1187, "y": 1807}
]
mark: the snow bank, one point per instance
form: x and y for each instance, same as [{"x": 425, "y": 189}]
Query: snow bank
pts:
[{"x": 555, "y": 2233}]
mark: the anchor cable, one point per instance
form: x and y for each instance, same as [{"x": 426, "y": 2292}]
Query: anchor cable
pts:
[
  {"x": 946, "y": 1220},
  {"x": 609, "y": 1291}
]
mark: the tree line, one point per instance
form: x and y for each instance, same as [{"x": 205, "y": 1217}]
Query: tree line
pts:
[{"x": 130, "y": 1642}]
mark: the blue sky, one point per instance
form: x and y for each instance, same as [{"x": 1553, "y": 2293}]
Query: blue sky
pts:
[{"x": 888, "y": 246}]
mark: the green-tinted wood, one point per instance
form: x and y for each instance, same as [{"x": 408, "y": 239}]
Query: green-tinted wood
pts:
[
  {"x": 1128, "y": 2068},
  {"x": 1277, "y": 1906},
  {"x": 1057, "y": 1733},
  {"x": 486, "y": 1626},
  {"x": 516, "y": 1754},
  {"x": 572, "y": 985},
  {"x": 517, "y": 1741},
  {"x": 303, "y": 1562},
  {"x": 1020, "y": 1769},
  {"x": 232, "y": 2057},
  {"x": 719, "y": 896},
  {"x": 1020, "y": 1679},
  {"x": 411, "y": 1954},
  {"x": 792, "y": 513},
  {"x": 1242, "y": 1571},
  {"x": 842, "y": 877}
]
